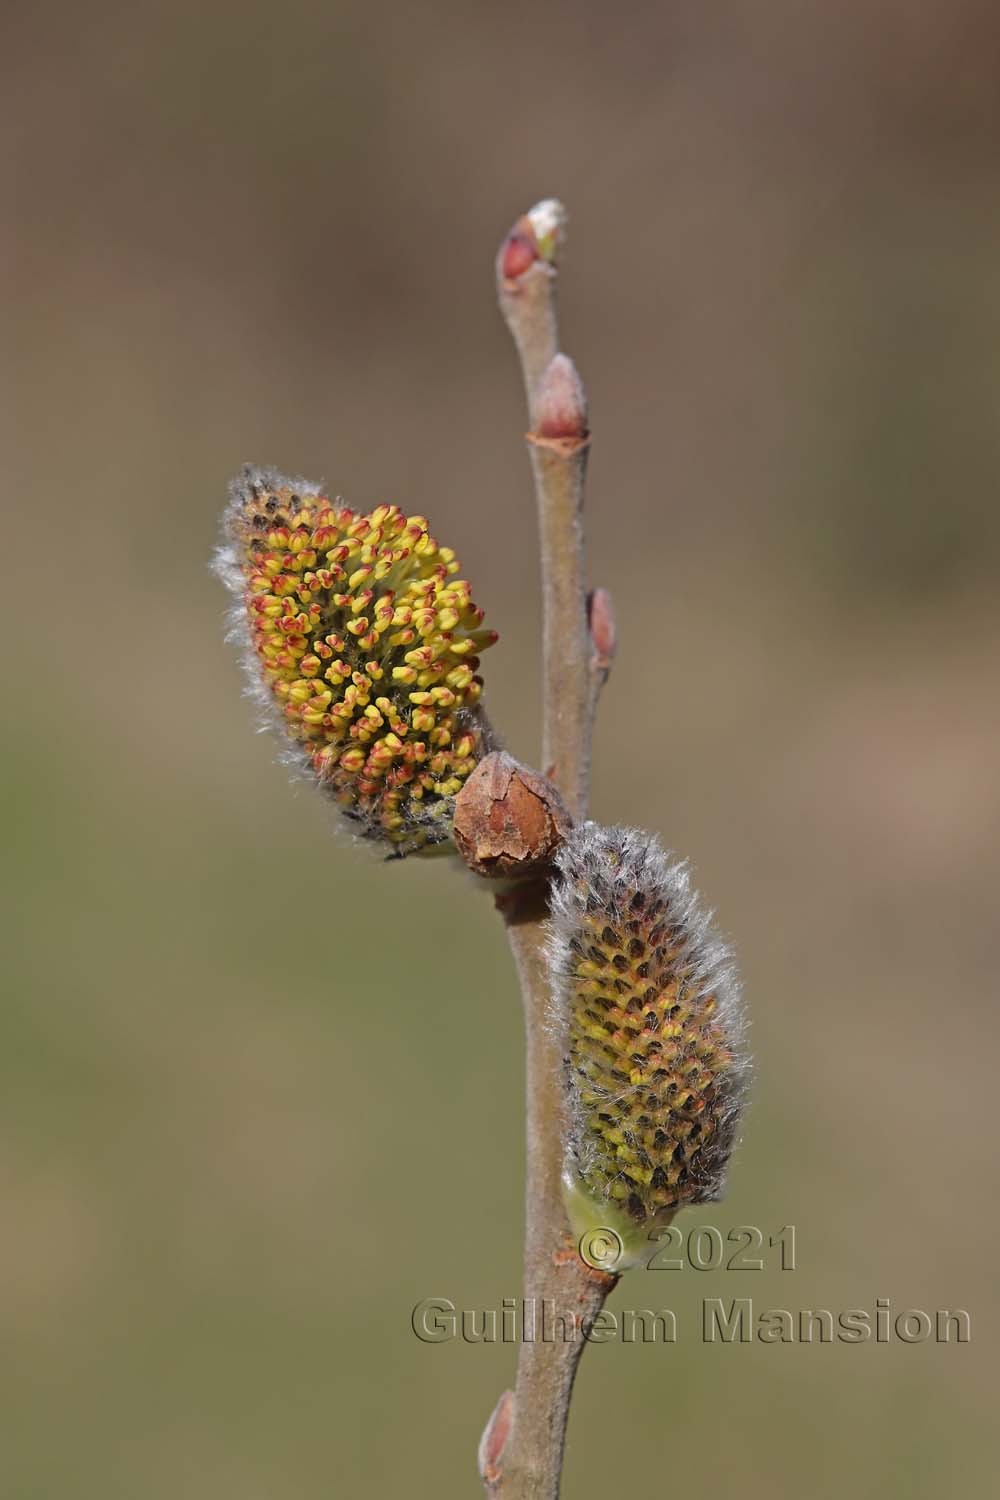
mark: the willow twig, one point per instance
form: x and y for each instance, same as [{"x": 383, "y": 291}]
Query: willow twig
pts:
[{"x": 528, "y": 1460}]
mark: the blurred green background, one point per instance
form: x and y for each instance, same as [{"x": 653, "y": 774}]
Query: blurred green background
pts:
[{"x": 260, "y": 1093}]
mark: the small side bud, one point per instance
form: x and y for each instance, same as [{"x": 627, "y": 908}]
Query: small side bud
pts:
[
  {"x": 561, "y": 402},
  {"x": 491, "y": 1444},
  {"x": 603, "y": 631},
  {"x": 509, "y": 821}
]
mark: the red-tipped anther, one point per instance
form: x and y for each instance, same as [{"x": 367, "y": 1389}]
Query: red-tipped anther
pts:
[
  {"x": 561, "y": 404},
  {"x": 495, "y": 1435},
  {"x": 603, "y": 632},
  {"x": 518, "y": 255}
]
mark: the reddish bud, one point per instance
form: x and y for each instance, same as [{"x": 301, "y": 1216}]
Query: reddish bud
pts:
[
  {"x": 561, "y": 402},
  {"x": 518, "y": 255},
  {"x": 491, "y": 1444},
  {"x": 603, "y": 632}
]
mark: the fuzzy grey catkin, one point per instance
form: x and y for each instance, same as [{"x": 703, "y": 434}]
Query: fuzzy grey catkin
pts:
[{"x": 647, "y": 1003}]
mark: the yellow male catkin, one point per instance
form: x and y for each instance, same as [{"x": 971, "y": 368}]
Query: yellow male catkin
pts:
[{"x": 364, "y": 645}]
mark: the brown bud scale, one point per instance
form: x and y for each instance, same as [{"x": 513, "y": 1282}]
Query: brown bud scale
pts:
[{"x": 509, "y": 821}]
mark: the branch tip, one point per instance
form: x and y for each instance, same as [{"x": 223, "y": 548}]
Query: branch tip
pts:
[
  {"x": 548, "y": 226},
  {"x": 536, "y": 236}
]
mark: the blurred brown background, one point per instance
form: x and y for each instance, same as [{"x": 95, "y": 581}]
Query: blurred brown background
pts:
[{"x": 260, "y": 1094}]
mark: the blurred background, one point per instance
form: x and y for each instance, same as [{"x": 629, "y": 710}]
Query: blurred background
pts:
[{"x": 259, "y": 1093}]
